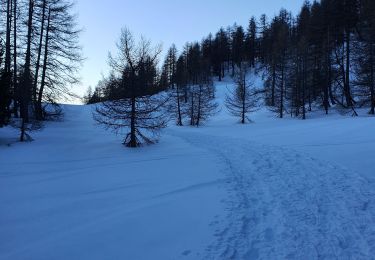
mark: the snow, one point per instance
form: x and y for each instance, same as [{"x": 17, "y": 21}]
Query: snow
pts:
[{"x": 271, "y": 189}]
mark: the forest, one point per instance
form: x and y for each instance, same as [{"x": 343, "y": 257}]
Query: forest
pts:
[
  {"x": 321, "y": 58},
  {"x": 40, "y": 58}
]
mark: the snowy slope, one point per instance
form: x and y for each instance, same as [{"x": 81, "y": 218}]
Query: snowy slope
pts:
[
  {"x": 272, "y": 189},
  {"x": 79, "y": 194}
]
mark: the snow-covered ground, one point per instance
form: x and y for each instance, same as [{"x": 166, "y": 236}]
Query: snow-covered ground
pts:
[{"x": 272, "y": 189}]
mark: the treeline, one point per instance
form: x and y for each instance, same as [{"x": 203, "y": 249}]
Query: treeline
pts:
[
  {"x": 320, "y": 59},
  {"x": 39, "y": 60},
  {"x": 323, "y": 57}
]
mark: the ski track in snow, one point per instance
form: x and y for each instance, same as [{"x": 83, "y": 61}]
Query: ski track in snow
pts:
[
  {"x": 284, "y": 205},
  {"x": 280, "y": 203}
]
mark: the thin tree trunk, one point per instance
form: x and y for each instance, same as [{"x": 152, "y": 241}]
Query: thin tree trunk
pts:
[
  {"x": 282, "y": 92},
  {"x": 14, "y": 40},
  {"x": 199, "y": 105},
  {"x": 243, "y": 98},
  {"x": 133, "y": 137},
  {"x": 179, "y": 120},
  {"x": 347, "y": 72},
  {"x": 304, "y": 90},
  {"x": 39, "y": 110},
  {"x": 23, "y": 131},
  {"x": 15, "y": 86},
  {"x": 327, "y": 83},
  {"x": 329, "y": 69},
  {"x": 27, "y": 72},
  {"x": 297, "y": 91},
  {"x": 192, "y": 110},
  {"x": 7, "y": 40},
  {"x": 29, "y": 35},
  {"x": 39, "y": 53},
  {"x": 326, "y": 96}
]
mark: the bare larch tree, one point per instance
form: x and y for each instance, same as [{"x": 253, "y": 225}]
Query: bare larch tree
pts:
[{"x": 138, "y": 110}]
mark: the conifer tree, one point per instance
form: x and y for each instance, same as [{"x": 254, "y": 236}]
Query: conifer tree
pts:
[
  {"x": 243, "y": 99},
  {"x": 138, "y": 111}
]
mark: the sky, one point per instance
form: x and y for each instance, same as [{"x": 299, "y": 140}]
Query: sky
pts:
[{"x": 162, "y": 21}]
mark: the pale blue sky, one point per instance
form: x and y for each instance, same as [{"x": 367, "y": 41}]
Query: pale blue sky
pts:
[{"x": 163, "y": 21}]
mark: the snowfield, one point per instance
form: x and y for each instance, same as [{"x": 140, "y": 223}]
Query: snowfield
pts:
[{"x": 272, "y": 189}]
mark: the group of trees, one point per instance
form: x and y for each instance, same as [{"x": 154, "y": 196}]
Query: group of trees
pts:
[
  {"x": 189, "y": 78},
  {"x": 39, "y": 60},
  {"x": 130, "y": 97},
  {"x": 321, "y": 58}
]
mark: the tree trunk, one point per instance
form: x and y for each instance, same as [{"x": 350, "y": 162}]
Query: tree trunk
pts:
[
  {"x": 347, "y": 91},
  {"x": 243, "y": 99},
  {"x": 304, "y": 89},
  {"x": 327, "y": 85},
  {"x": 179, "y": 119},
  {"x": 133, "y": 137},
  {"x": 23, "y": 131},
  {"x": 326, "y": 97},
  {"x": 15, "y": 86},
  {"x": 329, "y": 68},
  {"x": 35, "y": 86},
  {"x": 26, "y": 84},
  {"x": 282, "y": 91},
  {"x": 199, "y": 106},
  {"x": 39, "y": 110},
  {"x": 192, "y": 110},
  {"x": 7, "y": 40},
  {"x": 296, "y": 98},
  {"x": 372, "y": 79}
]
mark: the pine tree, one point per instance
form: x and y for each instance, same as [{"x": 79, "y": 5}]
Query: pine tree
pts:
[
  {"x": 251, "y": 41},
  {"x": 238, "y": 46},
  {"x": 221, "y": 52},
  {"x": 169, "y": 67}
]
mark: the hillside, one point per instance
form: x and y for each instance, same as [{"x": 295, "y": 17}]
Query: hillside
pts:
[{"x": 272, "y": 189}]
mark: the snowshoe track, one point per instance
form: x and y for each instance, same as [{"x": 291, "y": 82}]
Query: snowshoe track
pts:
[{"x": 284, "y": 205}]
